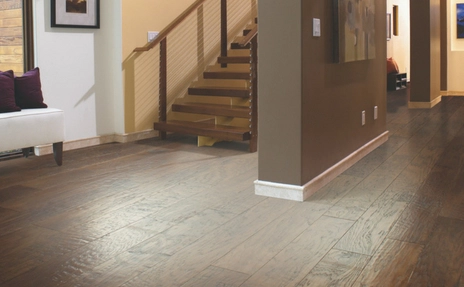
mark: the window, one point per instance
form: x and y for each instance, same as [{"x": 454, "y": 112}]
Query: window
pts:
[{"x": 16, "y": 36}]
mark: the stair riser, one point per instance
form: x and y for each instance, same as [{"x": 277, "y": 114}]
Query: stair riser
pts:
[
  {"x": 237, "y": 46},
  {"x": 234, "y": 60},
  {"x": 166, "y": 127}
]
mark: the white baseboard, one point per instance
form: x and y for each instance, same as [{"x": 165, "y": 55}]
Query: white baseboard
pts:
[
  {"x": 424, "y": 105},
  {"x": 301, "y": 193},
  {"x": 83, "y": 143}
]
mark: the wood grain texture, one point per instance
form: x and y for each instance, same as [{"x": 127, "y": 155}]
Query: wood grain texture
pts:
[
  {"x": 296, "y": 260},
  {"x": 188, "y": 262},
  {"x": 441, "y": 262},
  {"x": 163, "y": 213},
  {"x": 215, "y": 276},
  {"x": 256, "y": 251},
  {"x": 338, "y": 268},
  {"x": 368, "y": 233},
  {"x": 392, "y": 265}
]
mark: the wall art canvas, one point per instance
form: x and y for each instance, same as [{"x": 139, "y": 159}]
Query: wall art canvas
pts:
[
  {"x": 460, "y": 20},
  {"x": 354, "y": 30}
]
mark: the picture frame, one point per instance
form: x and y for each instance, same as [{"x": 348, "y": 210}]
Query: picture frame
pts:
[
  {"x": 460, "y": 20},
  {"x": 75, "y": 13},
  {"x": 389, "y": 25}
]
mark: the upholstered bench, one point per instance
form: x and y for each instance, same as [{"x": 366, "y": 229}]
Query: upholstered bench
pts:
[{"x": 32, "y": 127}]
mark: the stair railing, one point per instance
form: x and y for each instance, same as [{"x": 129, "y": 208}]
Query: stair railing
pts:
[
  {"x": 252, "y": 39},
  {"x": 232, "y": 20}
]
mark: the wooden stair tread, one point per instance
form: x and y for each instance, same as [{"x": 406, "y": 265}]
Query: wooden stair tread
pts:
[
  {"x": 234, "y": 60},
  {"x": 226, "y": 75},
  {"x": 239, "y": 92},
  {"x": 212, "y": 109},
  {"x": 204, "y": 129},
  {"x": 236, "y": 45}
]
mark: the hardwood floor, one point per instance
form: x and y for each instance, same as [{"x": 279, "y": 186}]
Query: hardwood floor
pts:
[{"x": 166, "y": 213}]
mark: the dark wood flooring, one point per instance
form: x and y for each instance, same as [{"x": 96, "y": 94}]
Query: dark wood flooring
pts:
[{"x": 166, "y": 213}]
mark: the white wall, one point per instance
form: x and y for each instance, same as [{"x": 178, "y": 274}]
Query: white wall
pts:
[
  {"x": 399, "y": 46},
  {"x": 81, "y": 71},
  {"x": 455, "y": 52}
]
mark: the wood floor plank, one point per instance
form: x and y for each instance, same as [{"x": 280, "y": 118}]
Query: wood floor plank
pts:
[
  {"x": 30, "y": 247},
  {"x": 358, "y": 200},
  {"x": 119, "y": 269},
  {"x": 337, "y": 268},
  {"x": 215, "y": 276},
  {"x": 442, "y": 260},
  {"x": 183, "y": 234},
  {"x": 269, "y": 241},
  {"x": 416, "y": 222},
  {"x": 392, "y": 265},
  {"x": 190, "y": 261},
  {"x": 296, "y": 260},
  {"x": 368, "y": 233},
  {"x": 335, "y": 190},
  {"x": 453, "y": 198},
  {"x": 68, "y": 269}
]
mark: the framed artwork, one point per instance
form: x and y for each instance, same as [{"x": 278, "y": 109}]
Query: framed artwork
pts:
[
  {"x": 389, "y": 23},
  {"x": 460, "y": 20},
  {"x": 75, "y": 13},
  {"x": 354, "y": 30}
]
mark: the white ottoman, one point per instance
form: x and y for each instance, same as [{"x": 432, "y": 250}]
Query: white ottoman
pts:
[{"x": 31, "y": 127}]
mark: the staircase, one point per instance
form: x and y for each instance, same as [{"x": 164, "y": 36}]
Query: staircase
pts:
[{"x": 225, "y": 96}]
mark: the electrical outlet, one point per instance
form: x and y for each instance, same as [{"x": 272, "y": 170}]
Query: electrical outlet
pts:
[
  {"x": 376, "y": 112},
  {"x": 152, "y": 35},
  {"x": 363, "y": 118}
]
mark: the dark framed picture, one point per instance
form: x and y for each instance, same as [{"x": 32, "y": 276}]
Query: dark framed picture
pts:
[
  {"x": 389, "y": 25},
  {"x": 460, "y": 20},
  {"x": 75, "y": 13}
]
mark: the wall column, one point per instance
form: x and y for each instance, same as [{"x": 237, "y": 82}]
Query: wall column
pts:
[{"x": 425, "y": 60}]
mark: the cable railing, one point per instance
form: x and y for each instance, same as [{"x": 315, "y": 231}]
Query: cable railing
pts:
[{"x": 180, "y": 53}]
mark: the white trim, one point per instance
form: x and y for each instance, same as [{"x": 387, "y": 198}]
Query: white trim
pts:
[
  {"x": 424, "y": 105},
  {"x": 83, "y": 143},
  {"x": 301, "y": 193}
]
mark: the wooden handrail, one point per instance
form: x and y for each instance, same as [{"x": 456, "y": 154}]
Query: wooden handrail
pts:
[
  {"x": 164, "y": 33},
  {"x": 247, "y": 39}
]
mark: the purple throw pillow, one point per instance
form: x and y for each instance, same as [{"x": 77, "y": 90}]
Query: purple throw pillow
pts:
[
  {"x": 28, "y": 90},
  {"x": 7, "y": 93}
]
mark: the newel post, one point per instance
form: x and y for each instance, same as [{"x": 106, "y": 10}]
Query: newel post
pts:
[
  {"x": 223, "y": 30},
  {"x": 163, "y": 84}
]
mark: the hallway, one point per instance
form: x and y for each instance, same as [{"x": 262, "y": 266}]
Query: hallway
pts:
[{"x": 166, "y": 213}]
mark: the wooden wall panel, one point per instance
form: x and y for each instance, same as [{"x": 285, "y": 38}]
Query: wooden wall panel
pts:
[{"x": 11, "y": 36}]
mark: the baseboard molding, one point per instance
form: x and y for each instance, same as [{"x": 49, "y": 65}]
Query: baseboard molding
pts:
[
  {"x": 105, "y": 139},
  {"x": 424, "y": 105},
  {"x": 452, "y": 93},
  {"x": 301, "y": 193}
]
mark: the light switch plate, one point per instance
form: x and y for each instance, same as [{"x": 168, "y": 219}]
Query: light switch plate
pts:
[
  {"x": 316, "y": 27},
  {"x": 152, "y": 35}
]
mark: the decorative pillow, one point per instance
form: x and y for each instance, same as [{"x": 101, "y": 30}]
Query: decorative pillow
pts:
[
  {"x": 392, "y": 66},
  {"x": 7, "y": 93},
  {"x": 28, "y": 90}
]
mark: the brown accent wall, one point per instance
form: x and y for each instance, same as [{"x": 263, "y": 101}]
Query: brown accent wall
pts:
[
  {"x": 326, "y": 127},
  {"x": 425, "y": 44},
  {"x": 334, "y": 95}
]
